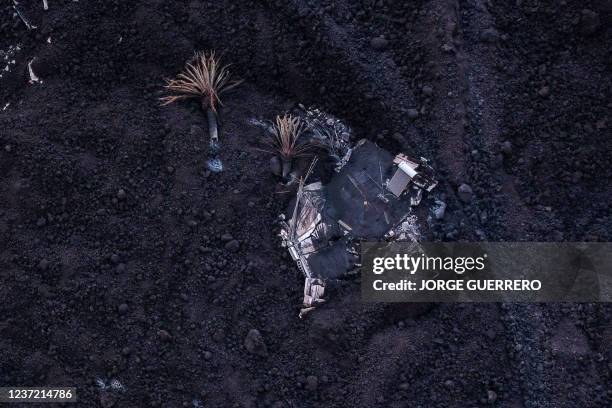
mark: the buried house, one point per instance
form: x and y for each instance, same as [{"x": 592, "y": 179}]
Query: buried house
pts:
[{"x": 369, "y": 198}]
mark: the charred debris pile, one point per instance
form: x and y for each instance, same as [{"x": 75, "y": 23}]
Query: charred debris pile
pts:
[{"x": 368, "y": 194}]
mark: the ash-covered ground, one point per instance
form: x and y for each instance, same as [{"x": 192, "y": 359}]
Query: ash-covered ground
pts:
[{"x": 123, "y": 258}]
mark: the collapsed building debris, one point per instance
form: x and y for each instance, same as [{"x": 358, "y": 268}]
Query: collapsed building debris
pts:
[{"x": 369, "y": 198}]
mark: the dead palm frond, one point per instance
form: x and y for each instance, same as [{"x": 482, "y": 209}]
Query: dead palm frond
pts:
[
  {"x": 204, "y": 77},
  {"x": 285, "y": 139}
]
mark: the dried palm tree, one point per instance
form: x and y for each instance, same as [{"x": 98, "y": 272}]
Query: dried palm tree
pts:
[
  {"x": 285, "y": 141},
  {"x": 204, "y": 77},
  {"x": 286, "y": 137}
]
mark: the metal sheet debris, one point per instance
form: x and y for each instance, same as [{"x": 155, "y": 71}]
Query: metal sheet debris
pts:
[{"x": 419, "y": 171}]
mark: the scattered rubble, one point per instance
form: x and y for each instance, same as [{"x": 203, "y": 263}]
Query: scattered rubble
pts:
[
  {"x": 112, "y": 384},
  {"x": 331, "y": 133},
  {"x": 8, "y": 57},
  {"x": 22, "y": 17}
]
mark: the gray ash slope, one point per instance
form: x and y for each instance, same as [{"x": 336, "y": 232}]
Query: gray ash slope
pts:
[{"x": 114, "y": 240}]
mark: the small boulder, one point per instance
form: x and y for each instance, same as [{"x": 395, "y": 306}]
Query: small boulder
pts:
[
  {"x": 123, "y": 308},
  {"x": 489, "y": 35},
  {"x": 491, "y": 396},
  {"x": 255, "y": 344},
  {"x": 506, "y": 148},
  {"x": 440, "y": 209},
  {"x": 164, "y": 335},
  {"x": 43, "y": 265},
  {"x": 233, "y": 245},
  {"x": 465, "y": 193},
  {"x": 544, "y": 91},
  {"x": 589, "y": 22},
  {"x": 312, "y": 383},
  {"x": 379, "y": 43}
]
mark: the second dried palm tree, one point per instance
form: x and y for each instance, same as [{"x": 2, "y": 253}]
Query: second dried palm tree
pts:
[{"x": 286, "y": 141}]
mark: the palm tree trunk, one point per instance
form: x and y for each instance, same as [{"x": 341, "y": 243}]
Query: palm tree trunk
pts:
[
  {"x": 286, "y": 166},
  {"x": 212, "y": 125}
]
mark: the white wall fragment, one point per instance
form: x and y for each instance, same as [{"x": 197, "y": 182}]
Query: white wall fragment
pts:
[
  {"x": 22, "y": 17},
  {"x": 33, "y": 77}
]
